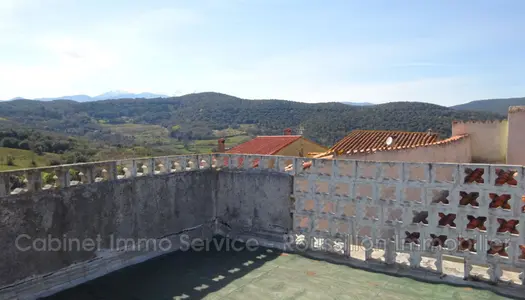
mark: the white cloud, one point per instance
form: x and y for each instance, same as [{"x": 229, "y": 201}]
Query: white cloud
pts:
[
  {"x": 129, "y": 50},
  {"x": 81, "y": 55},
  {"x": 69, "y": 62},
  {"x": 147, "y": 27}
]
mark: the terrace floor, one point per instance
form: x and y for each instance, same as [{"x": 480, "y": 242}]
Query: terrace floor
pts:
[{"x": 262, "y": 274}]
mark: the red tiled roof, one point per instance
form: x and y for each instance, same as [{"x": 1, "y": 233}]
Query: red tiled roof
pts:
[
  {"x": 375, "y": 140},
  {"x": 264, "y": 145}
]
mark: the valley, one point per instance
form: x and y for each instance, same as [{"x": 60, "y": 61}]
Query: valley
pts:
[{"x": 68, "y": 131}]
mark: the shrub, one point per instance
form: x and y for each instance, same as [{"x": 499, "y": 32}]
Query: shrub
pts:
[
  {"x": 10, "y": 160},
  {"x": 47, "y": 178},
  {"x": 55, "y": 162}
]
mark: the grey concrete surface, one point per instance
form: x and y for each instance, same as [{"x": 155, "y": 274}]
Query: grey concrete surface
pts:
[
  {"x": 143, "y": 207},
  {"x": 255, "y": 201},
  {"x": 260, "y": 274},
  {"x": 150, "y": 207}
]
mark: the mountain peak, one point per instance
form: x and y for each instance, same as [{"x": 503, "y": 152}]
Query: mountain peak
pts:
[
  {"x": 121, "y": 94},
  {"x": 115, "y": 94}
]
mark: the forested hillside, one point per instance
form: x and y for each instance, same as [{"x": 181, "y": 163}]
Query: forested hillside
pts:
[
  {"x": 499, "y": 106},
  {"x": 200, "y": 114},
  {"x": 192, "y": 123}
]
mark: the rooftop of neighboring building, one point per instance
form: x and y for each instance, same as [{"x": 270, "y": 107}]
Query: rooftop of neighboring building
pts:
[
  {"x": 264, "y": 145},
  {"x": 370, "y": 141},
  {"x": 271, "y": 144}
]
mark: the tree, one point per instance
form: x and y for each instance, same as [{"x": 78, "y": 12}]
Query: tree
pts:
[
  {"x": 9, "y": 142},
  {"x": 24, "y": 145},
  {"x": 175, "y": 131}
]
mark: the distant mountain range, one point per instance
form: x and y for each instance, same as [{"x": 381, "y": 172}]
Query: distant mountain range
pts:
[
  {"x": 106, "y": 96},
  {"x": 499, "y": 106}
]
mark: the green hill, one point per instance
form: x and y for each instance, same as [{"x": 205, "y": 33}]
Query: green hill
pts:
[
  {"x": 200, "y": 116},
  {"x": 499, "y": 106}
]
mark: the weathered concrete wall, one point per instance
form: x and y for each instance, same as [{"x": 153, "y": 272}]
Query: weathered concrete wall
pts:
[
  {"x": 150, "y": 207},
  {"x": 142, "y": 207},
  {"x": 488, "y": 139},
  {"x": 256, "y": 202}
]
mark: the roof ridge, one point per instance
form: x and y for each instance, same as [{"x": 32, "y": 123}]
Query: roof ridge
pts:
[
  {"x": 265, "y": 145},
  {"x": 362, "y": 140},
  {"x": 278, "y": 136},
  {"x": 384, "y": 130},
  {"x": 449, "y": 140}
]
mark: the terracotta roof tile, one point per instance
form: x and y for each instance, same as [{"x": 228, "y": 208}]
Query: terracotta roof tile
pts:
[
  {"x": 264, "y": 145},
  {"x": 359, "y": 141}
]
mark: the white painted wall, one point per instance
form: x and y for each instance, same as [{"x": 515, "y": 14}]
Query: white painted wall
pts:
[
  {"x": 516, "y": 136},
  {"x": 488, "y": 139}
]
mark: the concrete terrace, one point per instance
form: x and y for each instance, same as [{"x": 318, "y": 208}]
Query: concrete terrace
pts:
[
  {"x": 444, "y": 229},
  {"x": 261, "y": 274}
]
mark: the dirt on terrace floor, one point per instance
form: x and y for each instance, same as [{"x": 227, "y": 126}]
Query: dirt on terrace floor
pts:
[{"x": 261, "y": 274}]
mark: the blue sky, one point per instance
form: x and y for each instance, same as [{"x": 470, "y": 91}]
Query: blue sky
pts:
[{"x": 443, "y": 52}]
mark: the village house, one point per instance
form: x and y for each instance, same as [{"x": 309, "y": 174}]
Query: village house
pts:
[
  {"x": 284, "y": 145},
  {"x": 495, "y": 142}
]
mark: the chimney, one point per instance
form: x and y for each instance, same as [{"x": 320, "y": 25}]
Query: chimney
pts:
[
  {"x": 221, "y": 146},
  {"x": 288, "y": 131},
  {"x": 515, "y": 136}
]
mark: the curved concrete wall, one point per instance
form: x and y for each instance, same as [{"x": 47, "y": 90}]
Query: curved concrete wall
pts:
[
  {"x": 160, "y": 212},
  {"x": 147, "y": 207}
]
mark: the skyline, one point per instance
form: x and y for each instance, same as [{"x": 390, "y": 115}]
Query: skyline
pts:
[
  {"x": 443, "y": 52},
  {"x": 103, "y": 97}
]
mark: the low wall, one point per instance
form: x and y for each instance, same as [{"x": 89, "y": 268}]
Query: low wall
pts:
[
  {"x": 471, "y": 211},
  {"x": 88, "y": 225},
  {"x": 87, "y": 220}
]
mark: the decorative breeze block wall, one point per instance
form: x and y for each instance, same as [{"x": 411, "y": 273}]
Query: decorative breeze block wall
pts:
[{"x": 472, "y": 211}]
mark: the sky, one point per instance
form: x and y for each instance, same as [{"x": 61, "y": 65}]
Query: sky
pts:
[{"x": 444, "y": 52}]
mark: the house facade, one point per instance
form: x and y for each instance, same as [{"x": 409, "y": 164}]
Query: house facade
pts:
[{"x": 495, "y": 142}]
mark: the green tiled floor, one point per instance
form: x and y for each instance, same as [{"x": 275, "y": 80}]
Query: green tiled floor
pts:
[{"x": 257, "y": 275}]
